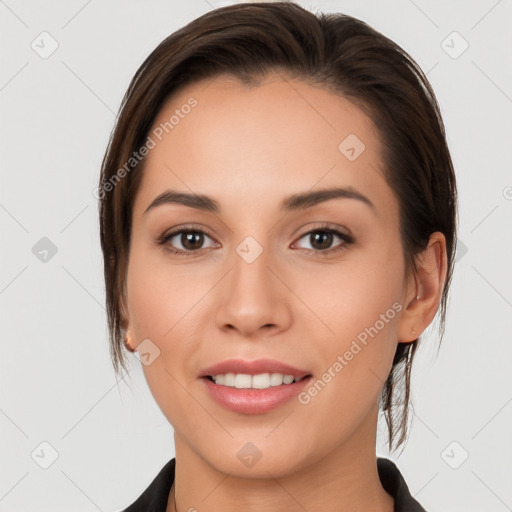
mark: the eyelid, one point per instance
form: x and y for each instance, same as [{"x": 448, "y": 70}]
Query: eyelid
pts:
[
  {"x": 169, "y": 234},
  {"x": 327, "y": 227},
  {"x": 186, "y": 227}
]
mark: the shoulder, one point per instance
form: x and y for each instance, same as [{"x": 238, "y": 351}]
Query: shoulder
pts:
[
  {"x": 394, "y": 483},
  {"x": 154, "y": 497}
]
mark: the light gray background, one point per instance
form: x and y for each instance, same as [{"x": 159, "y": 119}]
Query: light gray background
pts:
[{"x": 57, "y": 384}]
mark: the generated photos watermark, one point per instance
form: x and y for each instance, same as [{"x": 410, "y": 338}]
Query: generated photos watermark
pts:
[
  {"x": 156, "y": 136},
  {"x": 356, "y": 347}
]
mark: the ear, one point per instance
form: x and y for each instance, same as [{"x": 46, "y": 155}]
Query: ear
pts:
[
  {"x": 424, "y": 289},
  {"x": 129, "y": 337}
]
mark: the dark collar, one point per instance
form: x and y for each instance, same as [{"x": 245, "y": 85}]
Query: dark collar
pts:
[
  {"x": 394, "y": 483},
  {"x": 154, "y": 498}
]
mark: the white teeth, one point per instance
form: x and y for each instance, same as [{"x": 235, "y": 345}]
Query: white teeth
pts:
[
  {"x": 288, "y": 379},
  {"x": 242, "y": 381},
  {"x": 260, "y": 381}
]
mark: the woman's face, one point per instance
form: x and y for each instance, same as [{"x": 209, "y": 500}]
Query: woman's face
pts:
[{"x": 259, "y": 277}]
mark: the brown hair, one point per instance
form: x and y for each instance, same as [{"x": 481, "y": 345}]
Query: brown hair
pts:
[{"x": 334, "y": 51}]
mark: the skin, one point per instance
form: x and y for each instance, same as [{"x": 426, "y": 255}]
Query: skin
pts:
[{"x": 249, "y": 148}]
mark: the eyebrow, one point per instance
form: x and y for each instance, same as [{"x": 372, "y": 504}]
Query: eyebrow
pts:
[{"x": 294, "y": 202}]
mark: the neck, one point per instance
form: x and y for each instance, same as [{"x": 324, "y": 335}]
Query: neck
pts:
[{"x": 344, "y": 480}]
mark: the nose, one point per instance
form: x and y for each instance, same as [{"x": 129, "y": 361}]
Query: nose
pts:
[{"x": 253, "y": 299}]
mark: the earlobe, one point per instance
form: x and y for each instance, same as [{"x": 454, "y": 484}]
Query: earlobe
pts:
[
  {"x": 125, "y": 325},
  {"x": 128, "y": 343},
  {"x": 409, "y": 336},
  {"x": 427, "y": 290}
]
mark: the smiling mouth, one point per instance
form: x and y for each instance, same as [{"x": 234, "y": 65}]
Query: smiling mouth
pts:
[
  {"x": 244, "y": 393},
  {"x": 259, "y": 381}
]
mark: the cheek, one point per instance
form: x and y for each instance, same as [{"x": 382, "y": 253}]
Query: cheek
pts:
[
  {"x": 358, "y": 303},
  {"x": 351, "y": 295},
  {"x": 161, "y": 302},
  {"x": 164, "y": 306},
  {"x": 359, "y": 311},
  {"x": 160, "y": 295}
]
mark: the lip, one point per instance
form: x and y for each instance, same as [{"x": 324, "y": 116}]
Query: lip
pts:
[
  {"x": 253, "y": 401},
  {"x": 253, "y": 368}
]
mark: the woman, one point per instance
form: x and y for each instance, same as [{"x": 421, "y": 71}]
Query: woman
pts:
[{"x": 278, "y": 224}]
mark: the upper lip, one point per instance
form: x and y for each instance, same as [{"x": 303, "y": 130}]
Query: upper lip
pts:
[{"x": 252, "y": 368}]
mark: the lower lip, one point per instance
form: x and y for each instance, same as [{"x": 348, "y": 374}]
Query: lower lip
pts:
[{"x": 254, "y": 401}]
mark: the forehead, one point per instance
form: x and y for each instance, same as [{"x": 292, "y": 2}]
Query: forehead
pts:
[{"x": 219, "y": 137}]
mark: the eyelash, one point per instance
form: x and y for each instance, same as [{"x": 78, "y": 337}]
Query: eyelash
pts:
[{"x": 324, "y": 228}]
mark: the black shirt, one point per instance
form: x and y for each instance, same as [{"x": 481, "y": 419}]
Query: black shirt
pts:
[{"x": 154, "y": 498}]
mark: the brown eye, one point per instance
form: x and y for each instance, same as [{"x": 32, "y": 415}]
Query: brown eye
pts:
[
  {"x": 321, "y": 240},
  {"x": 184, "y": 241},
  {"x": 191, "y": 240}
]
